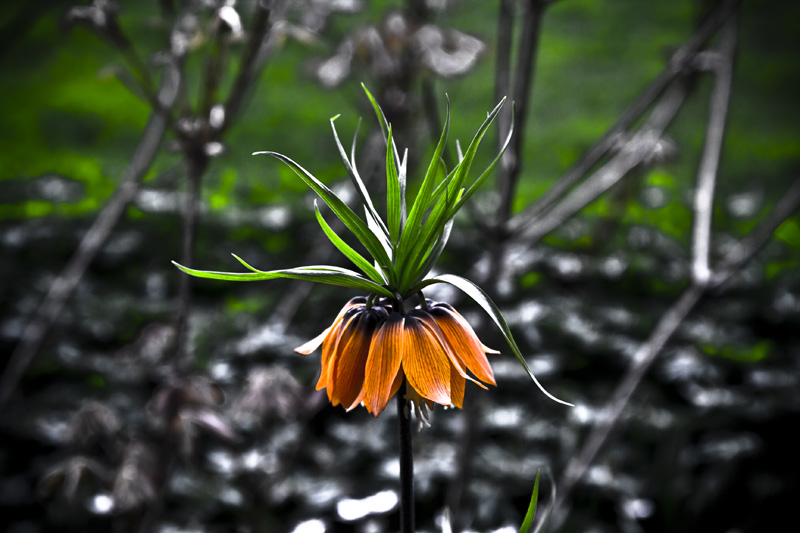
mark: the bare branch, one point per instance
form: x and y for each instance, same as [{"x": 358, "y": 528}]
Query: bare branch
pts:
[
  {"x": 610, "y": 416},
  {"x": 523, "y": 83},
  {"x": 639, "y": 148},
  {"x": 666, "y": 327},
  {"x": 502, "y": 73},
  {"x": 251, "y": 64},
  {"x": 678, "y": 63},
  {"x": 707, "y": 171},
  {"x": 747, "y": 247},
  {"x": 197, "y": 164},
  {"x": 61, "y": 289}
]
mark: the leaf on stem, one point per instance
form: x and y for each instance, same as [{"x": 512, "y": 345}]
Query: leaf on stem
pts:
[
  {"x": 393, "y": 200},
  {"x": 329, "y": 275},
  {"x": 366, "y": 235},
  {"x": 351, "y": 254},
  {"x": 482, "y": 299},
  {"x": 528, "y": 522}
]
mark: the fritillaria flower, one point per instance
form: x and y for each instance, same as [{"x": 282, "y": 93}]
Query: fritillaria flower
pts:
[
  {"x": 370, "y": 347},
  {"x": 374, "y": 344}
]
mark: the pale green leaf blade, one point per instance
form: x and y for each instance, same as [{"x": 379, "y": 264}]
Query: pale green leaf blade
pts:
[
  {"x": 319, "y": 274},
  {"x": 378, "y": 112},
  {"x": 383, "y": 122},
  {"x": 486, "y": 303},
  {"x": 247, "y": 265},
  {"x": 393, "y": 201},
  {"x": 353, "y": 222},
  {"x": 466, "y": 162},
  {"x": 436, "y": 251},
  {"x": 383, "y": 237},
  {"x": 421, "y": 203},
  {"x": 527, "y": 523},
  {"x": 348, "y": 252},
  {"x": 478, "y": 182},
  {"x": 355, "y": 177}
]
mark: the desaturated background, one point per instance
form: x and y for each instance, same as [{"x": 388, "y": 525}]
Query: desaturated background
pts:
[{"x": 654, "y": 142}]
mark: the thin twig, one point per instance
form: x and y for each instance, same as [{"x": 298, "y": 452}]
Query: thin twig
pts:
[
  {"x": 747, "y": 247},
  {"x": 523, "y": 84},
  {"x": 707, "y": 171},
  {"x": 666, "y": 327},
  {"x": 61, "y": 289},
  {"x": 609, "y": 418},
  {"x": 197, "y": 164},
  {"x": 635, "y": 151},
  {"x": 678, "y": 63},
  {"x": 675, "y": 316},
  {"x": 252, "y": 61},
  {"x": 502, "y": 72}
]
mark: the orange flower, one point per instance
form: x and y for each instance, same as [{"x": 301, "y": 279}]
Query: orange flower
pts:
[{"x": 368, "y": 350}]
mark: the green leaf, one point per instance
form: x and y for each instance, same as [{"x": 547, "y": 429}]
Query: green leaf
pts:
[
  {"x": 355, "y": 177},
  {"x": 482, "y": 299},
  {"x": 421, "y": 202},
  {"x": 528, "y": 522},
  {"x": 392, "y": 192},
  {"x": 401, "y": 177},
  {"x": 359, "y": 228},
  {"x": 383, "y": 122},
  {"x": 474, "y": 187},
  {"x": 317, "y": 273},
  {"x": 416, "y": 266},
  {"x": 464, "y": 165},
  {"x": 351, "y": 254},
  {"x": 378, "y": 112},
  {"x": 436, "y": 251},
  {"x": 446, "y": 208}
]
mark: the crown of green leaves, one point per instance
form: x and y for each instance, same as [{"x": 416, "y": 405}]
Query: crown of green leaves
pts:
[{"x": 404, "y": 247}]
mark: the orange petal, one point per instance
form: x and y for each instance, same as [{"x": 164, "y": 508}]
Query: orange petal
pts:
[
  {"x": 430, "y": 324},
  {"x": 346, "y": 372},
  {"x": 383, "y": 363},
  {"x": 463, "y": 342},
  {"x": 398, "y": 380},
  {"x": 424, "y": 362},
  {"x": 314, "y": 343},
  {"x": 457, "y": 383},
  {"x": 331, "y": 342}
]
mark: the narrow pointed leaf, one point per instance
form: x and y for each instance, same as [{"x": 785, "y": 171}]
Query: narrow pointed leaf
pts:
[
  {"x": 482, "y": 299},
  {"x": 355, "y": 177},
  {"x": 383, "y": 238},
  {"x": 415, "y": 265},
  {"x": 466, "y": 162},
  {"x": 353, "y": 222},
  {"x": 378, "y": 112},
  {"x": 446, "y": 207},
  {"x": 402, "y": 178},
  {"x": 247, "y": 265},
  {"x": 527, "y": 523},
  {"x": 351, "y": 254},
  {"x": 393, "y": 207},
  {"x": 436, "y": 251},
  {"x": 382, "y": 120},
  {"x": 421, "y": 202},
  {"x": 319, "y": 274},
  {"x": 474, "y": 187}
]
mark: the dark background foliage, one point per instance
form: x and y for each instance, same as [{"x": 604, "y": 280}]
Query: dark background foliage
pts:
[{"x": 153, "y": 403}]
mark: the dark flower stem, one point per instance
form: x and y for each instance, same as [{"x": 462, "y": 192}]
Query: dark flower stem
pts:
[{"x": 406, "y": 466}]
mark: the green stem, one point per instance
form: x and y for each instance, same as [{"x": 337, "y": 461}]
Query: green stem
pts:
[{"x": 406, "y": 467}]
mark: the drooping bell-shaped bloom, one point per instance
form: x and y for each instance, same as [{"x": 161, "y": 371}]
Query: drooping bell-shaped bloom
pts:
[{"x": 368, "y": 350}]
